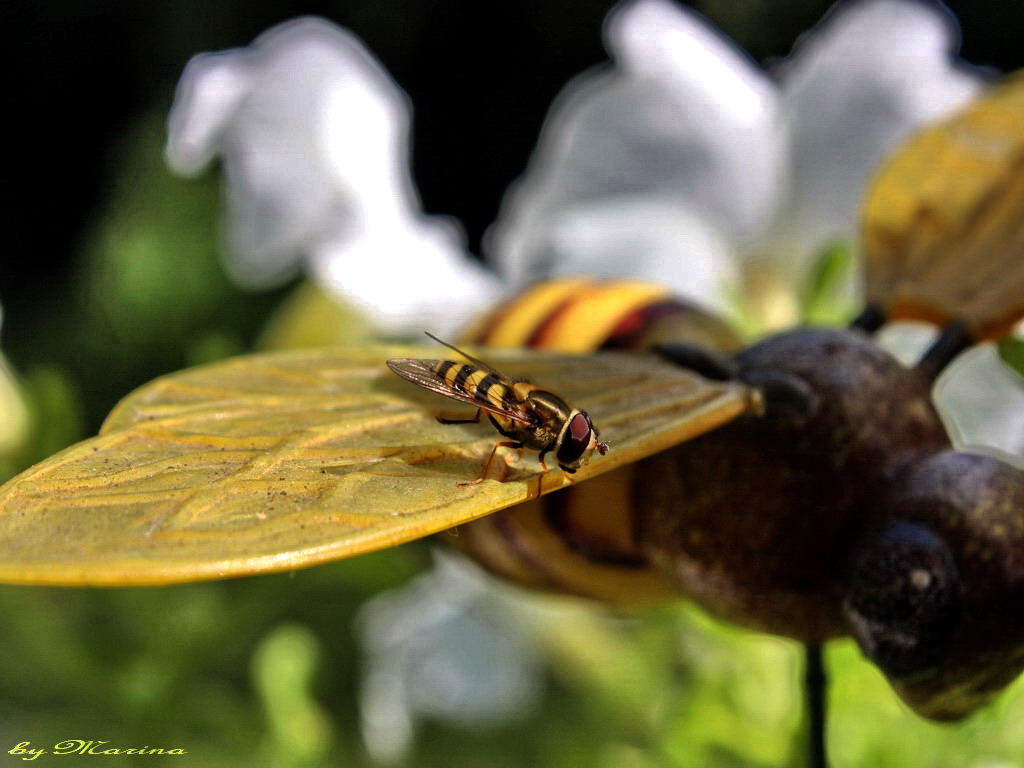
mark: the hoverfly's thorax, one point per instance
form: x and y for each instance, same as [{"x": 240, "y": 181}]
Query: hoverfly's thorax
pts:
[
  {"x": 548, "y": 413},
  {"x": 550, "y": 408}
]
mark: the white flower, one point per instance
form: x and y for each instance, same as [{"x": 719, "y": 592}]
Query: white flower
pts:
[
  {"x": 450, "y": 644},
  {"x": 314, "y": 136},
  {"x": 689, "y": 164},
  {"x": 982, "y": 402}
]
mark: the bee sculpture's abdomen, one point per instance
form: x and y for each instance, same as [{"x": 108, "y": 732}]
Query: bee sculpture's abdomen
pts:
[
  {"x": 584, "y": 315},
  {"x": 582, "y": 540}
]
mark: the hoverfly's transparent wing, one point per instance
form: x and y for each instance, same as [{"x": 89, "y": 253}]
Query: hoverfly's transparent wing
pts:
[
  {"x": 423, "y": 373},
  {"x": 274, "y": 462},
  {"x": 944, "y": 219}
]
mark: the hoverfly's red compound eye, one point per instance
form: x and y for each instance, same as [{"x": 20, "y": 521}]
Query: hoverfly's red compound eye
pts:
[{"x": 576, "y": 440}]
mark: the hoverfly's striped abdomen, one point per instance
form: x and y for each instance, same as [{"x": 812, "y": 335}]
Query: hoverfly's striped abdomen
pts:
[
  {"x": 482, "y": 387},
  {"x": 475, "y": 382}
]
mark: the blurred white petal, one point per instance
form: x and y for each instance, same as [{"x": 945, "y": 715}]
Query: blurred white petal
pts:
[
  {"x": 314, "y": 139},
  {"x": 684, "y": 118},
  {"x": 311, "y": 87},
  {"x": 907, "y": 342},
  {"x": 445, "y": 645},
  {"x": 14, "y": 415},
  {"x": 208, "y": 96},
  {"x": 407, "y": 280},
  {"x": 15, "y": 420},
  {"x": 723, "y": 153},
  {"x": 642, "y": 237},
  {"x": 855, "y": 86},
  {"x": 982, "y": 401}
]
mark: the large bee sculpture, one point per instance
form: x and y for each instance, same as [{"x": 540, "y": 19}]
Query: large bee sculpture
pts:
[{"x": 803, "y": 486}]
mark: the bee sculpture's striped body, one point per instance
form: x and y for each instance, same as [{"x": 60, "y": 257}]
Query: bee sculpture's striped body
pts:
[
  {"x": 837, "y": 506},
  {"x": 798, "y": 522}
]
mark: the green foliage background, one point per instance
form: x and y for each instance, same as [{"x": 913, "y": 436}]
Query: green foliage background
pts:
[{"x": 265, "y": 671}]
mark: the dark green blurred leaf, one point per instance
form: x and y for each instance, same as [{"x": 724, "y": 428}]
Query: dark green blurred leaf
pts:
[
  {"x": 1011, "y": 350},
  {"x": 55, "y": 405},
  {"x": 826, "y": 297},
  {"x": 300, "y": 730},
  {"x": 213, "y": 346}
]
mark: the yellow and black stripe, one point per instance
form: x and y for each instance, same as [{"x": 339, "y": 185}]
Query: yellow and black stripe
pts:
[{"x": 586, "y": 314}]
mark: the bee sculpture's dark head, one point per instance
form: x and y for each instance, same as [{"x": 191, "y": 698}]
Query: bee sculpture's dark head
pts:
[{"x": 936, "y": 593}]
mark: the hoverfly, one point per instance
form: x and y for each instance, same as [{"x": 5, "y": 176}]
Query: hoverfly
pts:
[
  {"x": 529, "y": 416},
  {"x": 804, "y": 485}
]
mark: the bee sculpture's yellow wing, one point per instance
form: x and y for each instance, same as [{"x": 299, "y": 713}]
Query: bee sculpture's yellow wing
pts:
[
  {"x": 275, "y": 462},
  {"x": 944, "y": 219}
]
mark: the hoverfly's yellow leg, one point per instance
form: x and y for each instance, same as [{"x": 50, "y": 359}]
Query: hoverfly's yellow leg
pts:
[
  {"x": 474, "y": 420},
  {"x": 487, "y": 466}
]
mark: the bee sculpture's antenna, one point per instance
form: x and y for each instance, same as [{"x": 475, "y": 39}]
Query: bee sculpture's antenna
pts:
[
  {"x": 870, "y": 319},
  {"x": 953, "y": 340}
]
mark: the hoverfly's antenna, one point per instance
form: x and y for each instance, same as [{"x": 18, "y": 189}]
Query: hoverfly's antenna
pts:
[
  {"x": 602, "y": 446},
  {"x": 474, "y": 360},
  {"x": 953, "y": 340}
]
